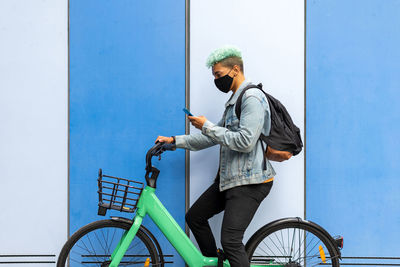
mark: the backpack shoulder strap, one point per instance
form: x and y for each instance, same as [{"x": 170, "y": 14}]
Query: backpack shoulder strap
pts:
[
  {"x": 238, "y": 110},
  {"x": 238, "y": 107}
]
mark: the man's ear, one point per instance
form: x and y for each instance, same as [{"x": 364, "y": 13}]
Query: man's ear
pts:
[{"x": 237, "y": 68}]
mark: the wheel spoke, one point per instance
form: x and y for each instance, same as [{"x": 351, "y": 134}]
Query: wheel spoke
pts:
[
  {"x": 92, "y": 245},
  {"x": 101, "y": 243},
  {"x": 300, "y": 244},
  {"x": 291, "y": 247},
  {"x": 272, "y": 253},
  {"x": 107, "y": 251},
  {"x": 275, "y": 245},
  {"x": 90, "y": 242},
  {"x": 282, "y": 242},
  {"x": 299, "y": 247}
]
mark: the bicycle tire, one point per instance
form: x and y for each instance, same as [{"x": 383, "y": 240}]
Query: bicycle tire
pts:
[
  {"x": 93, "y": 252},
  {"x": 262, "y": 249}
]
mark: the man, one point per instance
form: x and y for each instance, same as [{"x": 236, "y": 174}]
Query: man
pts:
[{"x": 243, "y": 178}]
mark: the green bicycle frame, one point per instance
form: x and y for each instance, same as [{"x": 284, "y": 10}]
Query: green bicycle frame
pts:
[{"x": 149, "y": 204}]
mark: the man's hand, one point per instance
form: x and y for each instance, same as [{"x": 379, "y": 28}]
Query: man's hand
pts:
[
  {"x": 163, "y": 139},
  {"x": 197, "y": 122}
]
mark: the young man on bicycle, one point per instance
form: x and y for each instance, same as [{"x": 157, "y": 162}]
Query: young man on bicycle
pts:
[{"x": 243, "y": 180}]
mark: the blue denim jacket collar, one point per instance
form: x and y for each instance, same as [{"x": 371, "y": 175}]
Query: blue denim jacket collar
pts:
[{"x": 233, "y": 98}]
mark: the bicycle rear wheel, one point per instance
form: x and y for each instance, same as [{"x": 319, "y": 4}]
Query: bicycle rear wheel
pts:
[
  {"x": 291, "y": 244},
  {"x": 92, "y": 245}
]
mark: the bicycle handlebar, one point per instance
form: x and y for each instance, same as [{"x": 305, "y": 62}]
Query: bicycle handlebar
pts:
[{"x": 156, "y": 150}]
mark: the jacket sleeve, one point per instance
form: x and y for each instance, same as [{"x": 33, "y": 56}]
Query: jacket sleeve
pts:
[
  {"x": 250, "y": 127},
  {"x": 196, "y": 141}
]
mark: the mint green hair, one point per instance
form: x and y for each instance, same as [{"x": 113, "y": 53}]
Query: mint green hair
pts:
[{"x": 222, "y": 53}]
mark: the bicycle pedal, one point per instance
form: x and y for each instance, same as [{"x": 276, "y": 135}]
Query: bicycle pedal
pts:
[{"x": 147, "y": 262}]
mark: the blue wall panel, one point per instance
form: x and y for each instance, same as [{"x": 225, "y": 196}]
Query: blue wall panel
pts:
[
  {"x": 127, "y": 86},
  {"x": 353, "y": 115}
]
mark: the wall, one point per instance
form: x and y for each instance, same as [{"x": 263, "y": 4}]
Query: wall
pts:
[
  {"x": 127, "y": 85},
  {"x": 352, "y": 122},
  {"x": 271, "y": 37},
  {"x": 34, "y": 130},
  {"x": 127, "y": 74}
]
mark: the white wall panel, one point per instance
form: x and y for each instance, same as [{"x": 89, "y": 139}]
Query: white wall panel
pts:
[
  {"x": 271, "y": 37},
  {"x": 34, "y": 126}
]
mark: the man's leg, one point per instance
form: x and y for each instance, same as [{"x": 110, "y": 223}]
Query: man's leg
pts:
[
  {"x": 241, "y": 204},
  {"x": 211, "y": 202}
]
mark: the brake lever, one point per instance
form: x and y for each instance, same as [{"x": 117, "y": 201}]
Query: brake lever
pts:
[{"x": 159, "y": 151}]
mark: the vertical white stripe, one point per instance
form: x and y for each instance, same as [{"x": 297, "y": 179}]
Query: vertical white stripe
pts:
[
  {"x": 271, "y": 37},
  {"x": 34, "y": 125}
]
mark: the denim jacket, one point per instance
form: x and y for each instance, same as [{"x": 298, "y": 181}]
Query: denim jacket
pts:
[{"x": 241, "y": 154}]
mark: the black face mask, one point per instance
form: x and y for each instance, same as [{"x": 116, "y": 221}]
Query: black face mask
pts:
[{"x": 224, "y": 83}]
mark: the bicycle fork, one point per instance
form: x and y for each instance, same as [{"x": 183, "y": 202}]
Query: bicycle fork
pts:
[{"x": 125, "y": 241}]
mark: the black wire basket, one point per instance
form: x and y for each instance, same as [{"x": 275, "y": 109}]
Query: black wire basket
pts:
[{"x": 117, "y": 193}]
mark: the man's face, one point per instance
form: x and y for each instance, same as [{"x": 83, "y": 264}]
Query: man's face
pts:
[{"x": 218, "y": 71}]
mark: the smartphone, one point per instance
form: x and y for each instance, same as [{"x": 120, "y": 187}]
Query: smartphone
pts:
[{"x": 187, "y": 112}]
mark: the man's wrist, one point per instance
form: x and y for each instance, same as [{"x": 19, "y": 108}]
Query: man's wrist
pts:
[
  {"x": 173, "y": 139},
  {"x": 206, "y": 127}
]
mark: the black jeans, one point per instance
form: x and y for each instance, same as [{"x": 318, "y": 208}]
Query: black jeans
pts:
[{"x": 240, "y": 204}]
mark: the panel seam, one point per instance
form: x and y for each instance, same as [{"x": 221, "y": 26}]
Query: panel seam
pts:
[
  {"x": 305, "y": 108},
  {"x": 187, "y": 105}
]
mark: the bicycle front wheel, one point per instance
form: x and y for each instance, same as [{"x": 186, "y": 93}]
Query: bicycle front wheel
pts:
[
  {"x": 93, "y": 244},
  {"x": 291, "y": 244}
]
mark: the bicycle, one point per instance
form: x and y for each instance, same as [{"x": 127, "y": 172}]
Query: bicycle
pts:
[{"x": 126, "y": 242}]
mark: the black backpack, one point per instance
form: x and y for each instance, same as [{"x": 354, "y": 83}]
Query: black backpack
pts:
[{"x": 284, "y": 139}]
